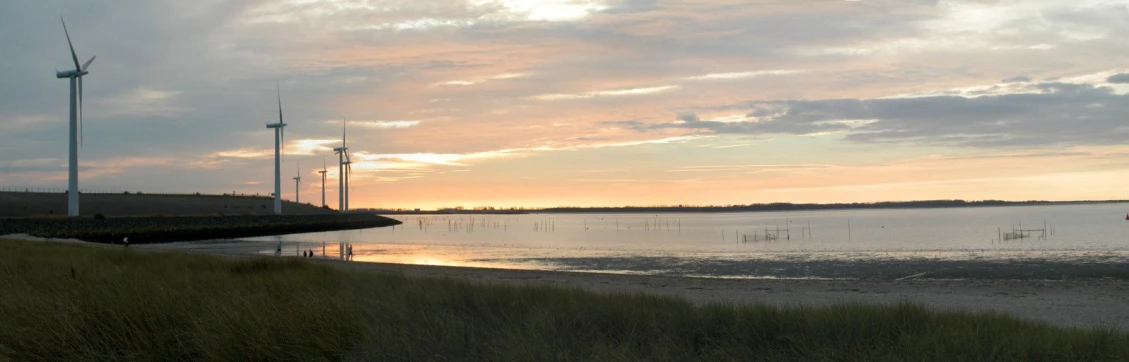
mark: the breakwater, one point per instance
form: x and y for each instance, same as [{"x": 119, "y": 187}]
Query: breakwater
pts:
[{"x": 158, "y": 229}]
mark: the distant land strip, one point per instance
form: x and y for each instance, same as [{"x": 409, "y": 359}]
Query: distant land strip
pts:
[{"x": 766, "y": 207}]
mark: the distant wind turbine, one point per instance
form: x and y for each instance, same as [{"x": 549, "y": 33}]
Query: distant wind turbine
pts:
[
  {"x": 323, "y": 172},
  {"x": 76, "y": 120},
  {"x": 297, "y": 182},
  {"x": 279, "y": 138},
  {"x": 344, "y": 168}
]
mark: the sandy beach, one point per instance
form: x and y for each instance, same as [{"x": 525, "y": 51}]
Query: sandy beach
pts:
[{"x": 1071, "y": 303}]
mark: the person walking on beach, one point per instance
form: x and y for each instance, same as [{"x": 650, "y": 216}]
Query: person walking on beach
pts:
[{"x": 125, "y": 241}]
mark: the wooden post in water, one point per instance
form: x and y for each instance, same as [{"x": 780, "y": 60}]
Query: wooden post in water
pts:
[{"x": 848, "y": 228}]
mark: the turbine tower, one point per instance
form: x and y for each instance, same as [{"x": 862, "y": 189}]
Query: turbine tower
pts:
[
  {"x": 297, "y": 181},
  {"x": 279, "y": 138},
  {"x": 76, "y": 121},
  {"x": 344, "y": 167},
  {"x": 323, "y": 172}
]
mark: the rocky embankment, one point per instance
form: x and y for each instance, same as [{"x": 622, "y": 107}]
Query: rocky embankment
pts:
[{"x": 159, "y": 229}]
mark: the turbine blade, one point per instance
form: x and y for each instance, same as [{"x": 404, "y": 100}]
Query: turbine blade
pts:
[
  {"x": 73, "y": 55},
  {"x": 279, "y": 90},
  {"x": 87, "y": 64},
  {"x": 80, "y": 111}
]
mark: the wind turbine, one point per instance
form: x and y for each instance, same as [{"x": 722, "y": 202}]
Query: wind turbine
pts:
[
  {"x": 323, "y": 172},
  {"x": 297, "y": 181},
  {"x": 279, "y": 138},
  {"x": 76, "y": 121},
  {"x": 344, "y": 167}
]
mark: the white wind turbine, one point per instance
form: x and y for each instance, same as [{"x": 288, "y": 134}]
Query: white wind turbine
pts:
[
  {"x": 297, "y": 182},
  {"x": 76, "y": 121},
  {"x": 344, "y": 168},
  {"x": 323, "y": 172},
  {"x": 279, "y": 138}
]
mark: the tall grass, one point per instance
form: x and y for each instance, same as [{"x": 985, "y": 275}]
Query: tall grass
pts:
[{"x": 70, "y": 302}]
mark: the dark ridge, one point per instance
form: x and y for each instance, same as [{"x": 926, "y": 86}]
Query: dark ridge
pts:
[
  {"x": 160, "y": 229},
  {"x": 26, "y": 204}
]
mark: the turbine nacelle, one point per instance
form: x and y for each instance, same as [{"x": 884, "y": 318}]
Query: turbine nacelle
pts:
[{"x": 70, "y": 73}]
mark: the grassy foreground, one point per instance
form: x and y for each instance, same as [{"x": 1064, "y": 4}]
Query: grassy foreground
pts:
[{"x": 63, "y": 302}]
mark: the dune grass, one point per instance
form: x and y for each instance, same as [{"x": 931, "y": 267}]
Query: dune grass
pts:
[{"x": 73, "y": 302}]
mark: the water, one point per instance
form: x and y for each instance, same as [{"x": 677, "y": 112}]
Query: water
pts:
[{"x": 733, "y": 244}]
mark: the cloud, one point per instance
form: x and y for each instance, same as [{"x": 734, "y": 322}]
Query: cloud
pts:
[
  {"x": 1119, "y": 78},
  {"x": 605, "y": 93},
  {"x": 378, "y": 124},
  {"x": 740, "y": 75},
  {"x": 1047, "y": 113},
  {"x": 1017, "y": 79},
  {"x": 479, "y": 80}
]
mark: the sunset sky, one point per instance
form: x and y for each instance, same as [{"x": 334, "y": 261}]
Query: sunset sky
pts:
[{"x": 582, "y": 102}]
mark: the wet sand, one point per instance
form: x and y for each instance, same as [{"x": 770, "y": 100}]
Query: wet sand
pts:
[
  {"x": 1072, "y": 303},
  {"x": 1098, "y": 304}
]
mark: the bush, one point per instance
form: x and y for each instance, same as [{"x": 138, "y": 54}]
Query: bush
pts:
[{"x": 99, "y": 216}]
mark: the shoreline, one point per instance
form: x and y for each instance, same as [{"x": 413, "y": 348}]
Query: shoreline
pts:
[
  {"x": 1073, "y": 303},
  {"x": 1068, "y": 303},
  {"x": 755, "y": 208}
]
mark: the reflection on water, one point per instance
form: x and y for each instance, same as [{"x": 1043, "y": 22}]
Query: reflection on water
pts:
[{"x": 717, "y": 244}]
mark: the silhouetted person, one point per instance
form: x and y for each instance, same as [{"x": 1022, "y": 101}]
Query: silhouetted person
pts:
[{"x": 125, "y": 241}]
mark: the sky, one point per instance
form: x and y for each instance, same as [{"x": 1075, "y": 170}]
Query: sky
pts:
[{"x": 577, "y": 102}]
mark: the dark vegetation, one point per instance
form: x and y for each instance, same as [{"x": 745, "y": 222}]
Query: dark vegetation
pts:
[
  {"x": 155, "y": 229},
  {"x": 73, "y": 303}
]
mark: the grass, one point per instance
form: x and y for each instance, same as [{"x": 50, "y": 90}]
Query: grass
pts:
[{"x": 73, "y": 302}]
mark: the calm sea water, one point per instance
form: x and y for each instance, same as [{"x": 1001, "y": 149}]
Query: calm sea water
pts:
[{"x": 725, "y": 244}]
